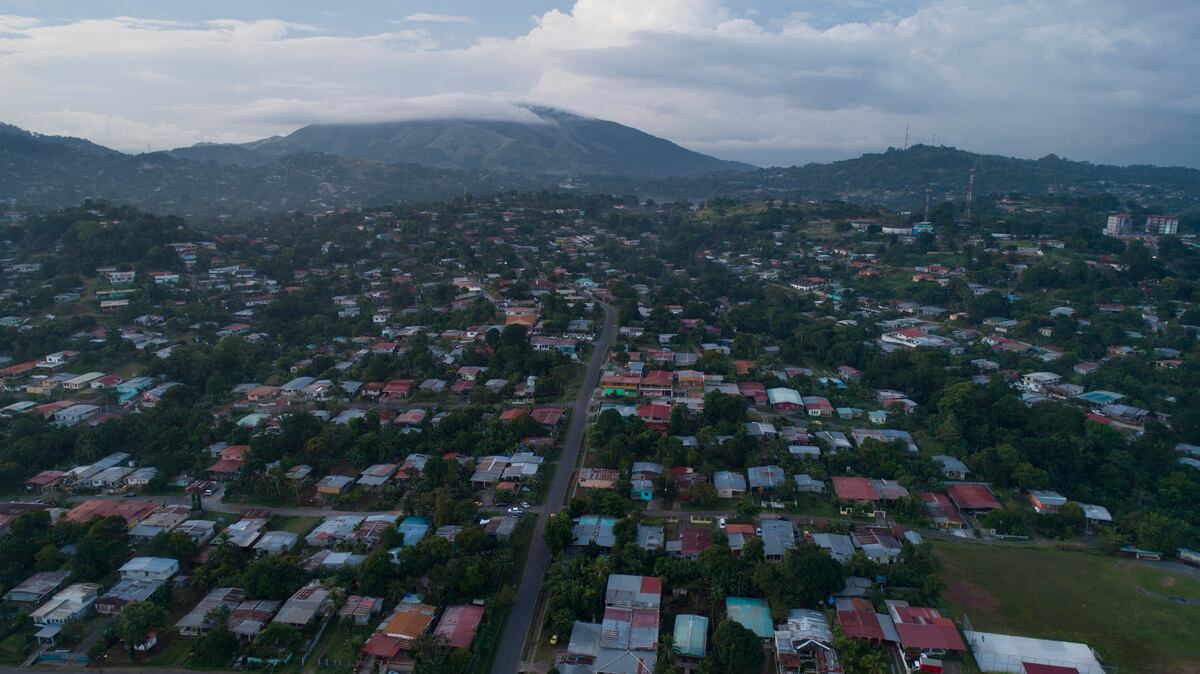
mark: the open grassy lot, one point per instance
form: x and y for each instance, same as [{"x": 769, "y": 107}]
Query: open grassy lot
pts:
[
  {"x": 1114, "y": 605},
  {"x": 298, "y": 525}
]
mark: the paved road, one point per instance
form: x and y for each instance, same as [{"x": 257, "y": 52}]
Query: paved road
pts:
[{"x": 512, "y": 643}]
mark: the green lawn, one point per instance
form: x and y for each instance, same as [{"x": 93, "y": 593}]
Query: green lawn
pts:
[
  {"x": 298, "y": 525},
  {"x": 1044, "y": 593}
]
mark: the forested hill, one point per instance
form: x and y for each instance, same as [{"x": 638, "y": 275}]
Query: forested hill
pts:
[
  {"x": 53, "y": 171},
  {"x": 900, "y": 178}
]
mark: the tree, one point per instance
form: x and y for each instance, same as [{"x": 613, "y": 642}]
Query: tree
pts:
[
  {"x": 375, "y": 574},
  {"x": 666, "y": 655},
  {"x": 216, "y": 648},
  {"x": 139, "y": 622},
  {"x": 560, "y": 531},
  {"x": 276, "y": 639},
  {"x": 735, "y": 650}
]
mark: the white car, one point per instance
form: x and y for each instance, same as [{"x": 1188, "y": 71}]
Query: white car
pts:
[
  {"x": 514, "y": 511},
  {"x": 721, "y": 523}
]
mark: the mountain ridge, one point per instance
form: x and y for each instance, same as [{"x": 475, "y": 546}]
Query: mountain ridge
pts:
[
  {"x": 559, "y": 143},
  {"x": 54, "y": 171}
]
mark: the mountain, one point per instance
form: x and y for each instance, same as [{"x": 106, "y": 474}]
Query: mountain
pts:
[
  {"x": 243, "y": 180},
  {"x": 557, "y": 143}
]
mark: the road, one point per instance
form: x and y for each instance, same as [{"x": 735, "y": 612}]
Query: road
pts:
[{"x": 520, "y": 619}]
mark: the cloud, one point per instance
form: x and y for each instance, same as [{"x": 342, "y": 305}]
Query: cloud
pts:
[
  {"x": 422, "y": 17},
  {"x": 1088, "y": 80}
]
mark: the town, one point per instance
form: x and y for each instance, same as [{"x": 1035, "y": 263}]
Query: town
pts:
[{"x": 597, "y": 435}]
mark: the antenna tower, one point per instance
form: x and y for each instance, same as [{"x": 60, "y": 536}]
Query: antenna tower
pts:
[
  {"x": 970, "y": 194},
  {"x": 926, "y": 218},
  {"x": 905, "y": 136}
]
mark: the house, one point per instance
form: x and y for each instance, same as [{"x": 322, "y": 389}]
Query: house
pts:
[
  {"x": 71, "y": 603},
  {"x": 691, "y": 640},
  {"x": 972, "y": 497},
  {"x": 75, "y": 414},
  {"x": 307, "y": 603},
  {"x": 805, "y": 484},
  {"x": 37, "y": 587},
  {"x": 597, "y": 529},
  {"x": 729, "y": 484},
  {"x": 784, "y": 399},
  {"x": 817, "y": 406},
  {"x": 804, "y": 644},
  {"x": 198, "y": 621},
  {"x": 45, "y": 481},
  {"x": 376, "y": 476},
  {"x": 626, "y": 640},
  {"x": 163, "y": 521},
  {"x": 1046, "y": 501},
  {"x": 459, "y": 624},
  {"x": 125, "y": 592},
  {"x": 276, "y": 543},
  {"x": 838, "y": 546},
  {"x": 778, "y": 537},
  {"x": 332, "y": 530},
  {"x": 764, "y": 478},
  {"x": 251, "y": 616},
  {"x": 200, "y": 531},
  {"x": 598, "y": 478},
  {"x": 923, "y": 631},
  {"x": 691, "y": 543},
  {"x": 334, "y": 485},
  {"x": 244, "y": 532},
  {"x": 150, "y": 568},
  {"x": 400, "y": 631},
  {"x": 655, "y": 415},
  {"x": 952, "y": 468},
  {"x": 359, "y": 609}
]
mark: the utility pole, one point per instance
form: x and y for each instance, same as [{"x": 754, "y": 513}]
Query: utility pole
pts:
[{"x": 905, "y": 136}]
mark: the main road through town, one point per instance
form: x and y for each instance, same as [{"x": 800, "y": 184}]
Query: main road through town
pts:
[{"x": 520, "y": 619}]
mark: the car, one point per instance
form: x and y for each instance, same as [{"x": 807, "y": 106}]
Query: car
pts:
[
  {"x": 514, "y": 511},
  {"x": 553, "y": 639},
  {"x": 208, "y": 492},
  {"x": 478, "y": 504},
  {"x": 758, "y": 531},
  {"x": 525, "y": 504},
  {"x": 721, "y": 523}
]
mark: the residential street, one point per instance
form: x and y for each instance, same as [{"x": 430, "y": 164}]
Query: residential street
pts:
[{"x": 512, "y": 643}]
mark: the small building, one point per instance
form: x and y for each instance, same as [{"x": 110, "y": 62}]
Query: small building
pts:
[
  {"x": 198, "y": 621},
  {"x": 359, "y": 609},
  {"x": 691, "y": 640},
  {"x": 751, "y": 613},
  {"x": 37, "y": 587},
  {"x": 71, "y": 603},
  {"x": 276, "y": 543},
  {"x": 459, "y": 624},
  {"x": 1046, "y": 501},
  {"x": 729, "y": 484},
  {"x": 150, "y": 568},
  {"x": 307, "y": 603}
]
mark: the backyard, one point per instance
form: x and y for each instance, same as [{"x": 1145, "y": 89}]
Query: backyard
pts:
[{"x": 1127, "y": 611}]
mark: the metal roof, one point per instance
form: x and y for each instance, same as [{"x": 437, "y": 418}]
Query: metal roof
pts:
[
  {"x": 752, "y": 614},
  {"x": 691, "y": 635}
]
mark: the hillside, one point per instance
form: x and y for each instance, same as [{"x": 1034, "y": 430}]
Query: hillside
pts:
[
  {"x": 241, "y": 180},
  {"x": 560, "y": 144},
  {"x": 899, "y": 178}
]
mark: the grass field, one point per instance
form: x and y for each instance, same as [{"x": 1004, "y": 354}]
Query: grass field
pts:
[
  {"x": 1100, "y": 601},
  {"x": 298, "y": 525}
]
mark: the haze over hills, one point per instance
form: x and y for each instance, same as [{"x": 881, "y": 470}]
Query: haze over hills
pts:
[
  {"x": 322, "y": 167},
  {"x": 558, "y": 143}
]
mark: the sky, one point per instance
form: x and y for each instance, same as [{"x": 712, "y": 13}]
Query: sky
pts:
[{"x": 771, "y": 82}]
